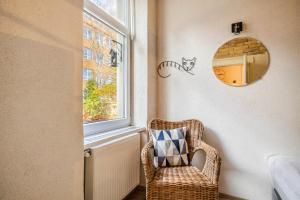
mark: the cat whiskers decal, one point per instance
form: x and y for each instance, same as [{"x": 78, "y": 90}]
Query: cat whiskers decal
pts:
[{"x": 187, "y": 65}]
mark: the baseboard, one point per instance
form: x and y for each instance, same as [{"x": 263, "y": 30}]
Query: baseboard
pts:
[{"x": 227, "y": 196}]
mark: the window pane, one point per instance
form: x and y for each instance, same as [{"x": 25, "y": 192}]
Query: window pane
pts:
[
  {"x": 87, "y": 33},
  {"x": 116, "y": 8},
  {"x": 87, "y": 53},
  {"x": 87, "y": 74},
  {"x": 103, "y": 72},
  {"x": 99, "y": 38}
]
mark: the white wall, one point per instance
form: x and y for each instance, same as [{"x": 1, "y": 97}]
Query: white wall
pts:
[
  {"x": 144, "y": 61},
  {"x": 245, "y": 124},
  {"x": 41, "y": 143},
  {"x": 144, "y": 78}
]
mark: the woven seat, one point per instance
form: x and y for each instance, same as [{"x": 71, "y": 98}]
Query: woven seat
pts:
[
  {"x": 182, "y": 176},
  {"x": 182, "y": 182}
]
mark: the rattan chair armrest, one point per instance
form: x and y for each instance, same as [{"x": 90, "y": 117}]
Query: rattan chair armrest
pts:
[
  {"x": 147, "y": 161},
  {"x": 212, "y": 164},
  {"x": 198, "y": 158}
]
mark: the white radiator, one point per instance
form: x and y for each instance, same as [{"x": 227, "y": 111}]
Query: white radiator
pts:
[{"x": 112, "y": 170}]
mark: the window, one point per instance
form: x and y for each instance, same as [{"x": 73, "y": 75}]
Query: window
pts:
[
  {"x": 104, "y": 40},
  {"x": 99, "y": 58},
  {"x": 106, "y": 79},
  {"x": 87, "y": 74},
  {"x": 99, "y": 38},
  {"x": 87, "y": 33},
  {"x": 115, "y": 8},
  {"x": 109, "y": 43},
  {"x": 87, "y": 53}
]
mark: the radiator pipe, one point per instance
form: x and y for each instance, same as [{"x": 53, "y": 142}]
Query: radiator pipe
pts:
[{"x": 87, "y": 153}]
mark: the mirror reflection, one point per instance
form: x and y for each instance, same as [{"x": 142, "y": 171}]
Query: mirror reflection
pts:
[{"x": 241, "y": 61}]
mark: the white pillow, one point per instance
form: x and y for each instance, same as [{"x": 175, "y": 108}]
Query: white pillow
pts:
[{"x": 170, "y": 147}]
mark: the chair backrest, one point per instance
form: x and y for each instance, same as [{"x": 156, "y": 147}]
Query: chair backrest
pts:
[{"x": 195, "y": 130}]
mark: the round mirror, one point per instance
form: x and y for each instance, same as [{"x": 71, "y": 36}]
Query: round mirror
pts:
[{"x": 241, "y": 61}]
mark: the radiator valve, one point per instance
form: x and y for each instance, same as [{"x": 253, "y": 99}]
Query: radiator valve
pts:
[{"x": 87, "y": 153}]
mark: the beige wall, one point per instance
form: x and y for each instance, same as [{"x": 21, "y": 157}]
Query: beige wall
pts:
[
  {"x": 245, "y": 124},
  {"x": 144, "y": 61},
  {"x": 144, "y": 74},
  {"x": 41, "y": 141},
  {"x": 152, "y": 77}
]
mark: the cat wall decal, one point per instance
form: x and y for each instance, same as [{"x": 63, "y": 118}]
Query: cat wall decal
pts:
[{"x": 186, "y": 66}]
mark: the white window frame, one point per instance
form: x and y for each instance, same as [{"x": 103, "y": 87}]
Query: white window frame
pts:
[{"x": 124, "y": 29}]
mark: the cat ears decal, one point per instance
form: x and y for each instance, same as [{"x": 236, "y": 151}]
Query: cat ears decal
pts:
[{"x": 186, "y": 66}]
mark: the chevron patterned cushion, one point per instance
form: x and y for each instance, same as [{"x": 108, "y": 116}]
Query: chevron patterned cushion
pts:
[{"x": 170, "y": 147}]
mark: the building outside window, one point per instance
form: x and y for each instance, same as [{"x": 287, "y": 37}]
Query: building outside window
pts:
[
  {"x": 110, "y": 43},
  {"x": 104, "y": 39},
  {"x": 99, "y": 58},
  {"x": 106, "y": 94},
  {"x": 99, "y": 38},
  {"x": 87, "y": 33},
  {"x": 87, "y": 53},
  {"x": 87, "y": 74}
]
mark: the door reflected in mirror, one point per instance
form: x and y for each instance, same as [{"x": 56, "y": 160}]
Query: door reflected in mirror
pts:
[{"x": 241, "y": 61}]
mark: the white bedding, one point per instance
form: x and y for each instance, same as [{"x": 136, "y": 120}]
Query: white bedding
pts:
[{"x": 285, "y": 172}]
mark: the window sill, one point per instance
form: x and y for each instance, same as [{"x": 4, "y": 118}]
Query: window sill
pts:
[{"x": 98, "y": 139}]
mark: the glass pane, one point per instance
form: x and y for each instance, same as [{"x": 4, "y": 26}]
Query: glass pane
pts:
[
  {"x": 116, "y": 8},
  {"x": 103, "y": 72}
]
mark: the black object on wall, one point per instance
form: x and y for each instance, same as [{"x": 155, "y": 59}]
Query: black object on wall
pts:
[
  {"x": 237, "y": 28},
  {"x": 186, "y": 66}
]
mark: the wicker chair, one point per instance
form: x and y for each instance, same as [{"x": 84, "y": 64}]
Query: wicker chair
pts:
[{"x": 186, "y": 182}]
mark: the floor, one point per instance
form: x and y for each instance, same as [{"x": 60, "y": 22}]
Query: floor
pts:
[{"x": 139, "y": 194}]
